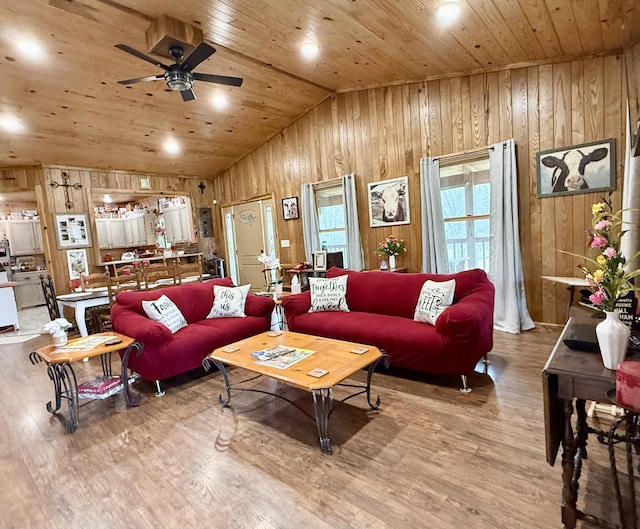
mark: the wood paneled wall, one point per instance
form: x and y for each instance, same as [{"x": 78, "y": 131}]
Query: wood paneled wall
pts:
[{"x": 382, "y": 133}]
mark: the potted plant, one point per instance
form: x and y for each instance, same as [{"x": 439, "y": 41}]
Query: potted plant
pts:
[
  {"x": 58, "y": 330},
  {"x": 392, "y": 247}
]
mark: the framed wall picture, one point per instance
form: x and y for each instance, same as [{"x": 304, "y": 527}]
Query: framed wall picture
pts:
[
  {"x": 72, "y": 230},
  {"x": 585, "y": 168},
  {"x": 389, "y": 202},
  {"x": 77, "y": 263},
  {"x": 320, "y": 261},
  {"x": 290, "y": 208}
]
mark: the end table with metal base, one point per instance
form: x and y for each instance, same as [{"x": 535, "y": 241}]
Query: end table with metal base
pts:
[{"x": 60, "y": 361}]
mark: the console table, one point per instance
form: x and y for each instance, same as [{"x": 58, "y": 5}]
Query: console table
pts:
[{"x": 573, "y": 376}]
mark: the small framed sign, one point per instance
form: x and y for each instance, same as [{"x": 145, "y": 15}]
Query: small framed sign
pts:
[{"x": 320, "y": 261}]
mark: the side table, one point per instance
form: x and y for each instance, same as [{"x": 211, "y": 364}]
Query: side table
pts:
[
  {"x": 60, "y": 361},
  {"x": 569, "y": 379}
]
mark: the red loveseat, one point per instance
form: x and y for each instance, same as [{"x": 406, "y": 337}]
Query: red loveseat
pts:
[
  {"x": 165, "y": 354},
  {"x": 382, "y": 305}
]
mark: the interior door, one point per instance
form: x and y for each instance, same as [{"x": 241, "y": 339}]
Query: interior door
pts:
[{"x": 253, "y": 227}]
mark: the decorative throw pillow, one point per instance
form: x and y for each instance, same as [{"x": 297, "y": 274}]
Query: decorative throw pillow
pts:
[
  {"x": 228, "y": 302},
  {"x": 164, "y": 311},
  {"x": 435, "y": 296},
  {"x": 328, "y": 294}
]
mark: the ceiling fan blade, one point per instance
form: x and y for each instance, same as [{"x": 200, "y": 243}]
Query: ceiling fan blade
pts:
[
  {"x": 202, "y": 52},
  {"x": 141, "y": 55},
  {"x": 220, "y": 79},
  {"x": 142, "y": 79},
  {"x": 187, "y": 95}
]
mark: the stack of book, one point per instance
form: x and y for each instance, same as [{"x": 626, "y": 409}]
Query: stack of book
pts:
[{"x": 100, "y": 387}]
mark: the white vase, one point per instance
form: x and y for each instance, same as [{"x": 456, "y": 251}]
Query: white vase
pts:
[
  {"x": 613, "y": 339},
  {"x": 59, "y": 339},
  {"x": 392, "y": 262}
]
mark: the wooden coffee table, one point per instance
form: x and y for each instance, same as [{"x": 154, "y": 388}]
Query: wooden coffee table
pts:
[
  {"x": 331, "y": 355},
  {"x": 60, "y": 361}
]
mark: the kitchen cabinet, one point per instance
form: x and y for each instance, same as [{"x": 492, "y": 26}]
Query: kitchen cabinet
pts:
[
  {"x": 126, "y": 233},
  {"x": 111, "y": 233},
  {"x": 177, "y": 220},
  {"x": 29, "y": 289},
  {"x": 25, "y": 237}
]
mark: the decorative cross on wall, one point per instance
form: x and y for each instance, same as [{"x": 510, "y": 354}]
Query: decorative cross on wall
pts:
[
  {"x": 66, "y": 185},
  {"x": 202, "y": 187}
]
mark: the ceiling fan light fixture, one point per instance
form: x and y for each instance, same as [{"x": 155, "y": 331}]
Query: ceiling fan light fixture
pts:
[
  {"x": 448, "y": 12},
  {"x": 179, "y": 80}
]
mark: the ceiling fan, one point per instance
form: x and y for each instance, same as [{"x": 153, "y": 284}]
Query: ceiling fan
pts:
[{"x": 180, "y": 75}]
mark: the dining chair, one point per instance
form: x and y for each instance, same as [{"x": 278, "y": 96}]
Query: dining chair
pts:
[
  {"x": 93, "y": 314},
  {"x": 128, "y": 269},
  {"x": 189, "y": 272},
  {"x": 159, "y": 275},
  {"x": 115, "y": 285},
  {"x": 52, "y": 304},
  {"x": 49, "y": 296}
]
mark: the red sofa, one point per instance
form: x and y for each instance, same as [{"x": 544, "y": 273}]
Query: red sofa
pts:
[
  {"x": 382, "y": 305},
  {"x": 165, "y": 354}
]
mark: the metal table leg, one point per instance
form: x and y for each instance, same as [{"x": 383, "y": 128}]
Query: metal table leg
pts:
[{"x": 322, "y": 404}]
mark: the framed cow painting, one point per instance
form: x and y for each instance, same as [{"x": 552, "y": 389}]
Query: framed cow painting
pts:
[
  {"x": 389, "y": 202},
  {"x": 585, "y": 168}
]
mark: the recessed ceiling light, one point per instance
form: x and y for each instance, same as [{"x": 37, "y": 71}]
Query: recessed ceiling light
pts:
[
  {"x": 171, "y": 147},
  {"x": 309, "y": 50},
  {"x": 448, "y": 12},
  {"x": 107, "y": 199},
  {"x": 11, "y": 124},
  {"x": 220, "y": 101},
  {"x": 31, "y": 48}
]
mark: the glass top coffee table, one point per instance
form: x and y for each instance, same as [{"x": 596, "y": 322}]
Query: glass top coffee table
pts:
[{"x": 315, "y": 365}]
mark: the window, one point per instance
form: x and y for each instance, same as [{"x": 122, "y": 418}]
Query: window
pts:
[
  {"x": 331, "y": 220},
  {"x": 465, "y": 192}
]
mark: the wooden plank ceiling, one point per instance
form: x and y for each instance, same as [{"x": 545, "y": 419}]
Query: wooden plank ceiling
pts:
[{"x": 76, "y": 114}]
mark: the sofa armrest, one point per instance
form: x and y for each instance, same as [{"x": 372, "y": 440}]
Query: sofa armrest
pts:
[
  {"x": 470, "y": 320},
  {"x": 297, "y": 304},
  {"x": 261, "y": 306},
  {"x": 140, "y": 327}
]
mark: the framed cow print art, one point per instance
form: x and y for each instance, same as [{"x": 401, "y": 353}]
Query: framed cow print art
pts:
[
  {"x": 389, "y": 202},
  {"x": 585, "y": 168}
]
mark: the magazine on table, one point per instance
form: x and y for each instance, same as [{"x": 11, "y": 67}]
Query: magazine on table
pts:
[{"x": 281, "y": 356}]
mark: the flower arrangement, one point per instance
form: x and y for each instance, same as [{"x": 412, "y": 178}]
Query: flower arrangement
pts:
[
  {"x": 608, "y": 281},
  {"x": 271, "y": 263},
  {"x": 57, "y": 326},
  {"x": 391, "y": 246}
]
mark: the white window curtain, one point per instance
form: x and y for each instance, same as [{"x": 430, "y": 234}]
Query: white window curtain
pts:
[
  {"x": 630, "y": 243},
  {"x": 434, "y": 243},
  {"x": 355, "y": 256},
  {"x": 505, "y": 262},
  {"x": 309, "y": 222}
]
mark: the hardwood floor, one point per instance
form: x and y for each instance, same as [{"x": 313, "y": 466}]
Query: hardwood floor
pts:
[{"x": 432, "y": 457}]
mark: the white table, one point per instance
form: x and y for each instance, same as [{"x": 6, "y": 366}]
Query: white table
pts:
[
  {"x": 571, "y": 283},
  {"x": 79, "y": 302}
]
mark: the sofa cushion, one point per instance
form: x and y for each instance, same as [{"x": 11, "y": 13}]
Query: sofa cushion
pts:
[
  {"x": 328, "y": 294},
  {"x": 229, "y": 302},
  {"x": 164, "y": 311},
  {"x": 435, "y": 297}
]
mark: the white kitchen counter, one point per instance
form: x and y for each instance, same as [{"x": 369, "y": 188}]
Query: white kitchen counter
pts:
[{"x": 8, "y": 307}]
